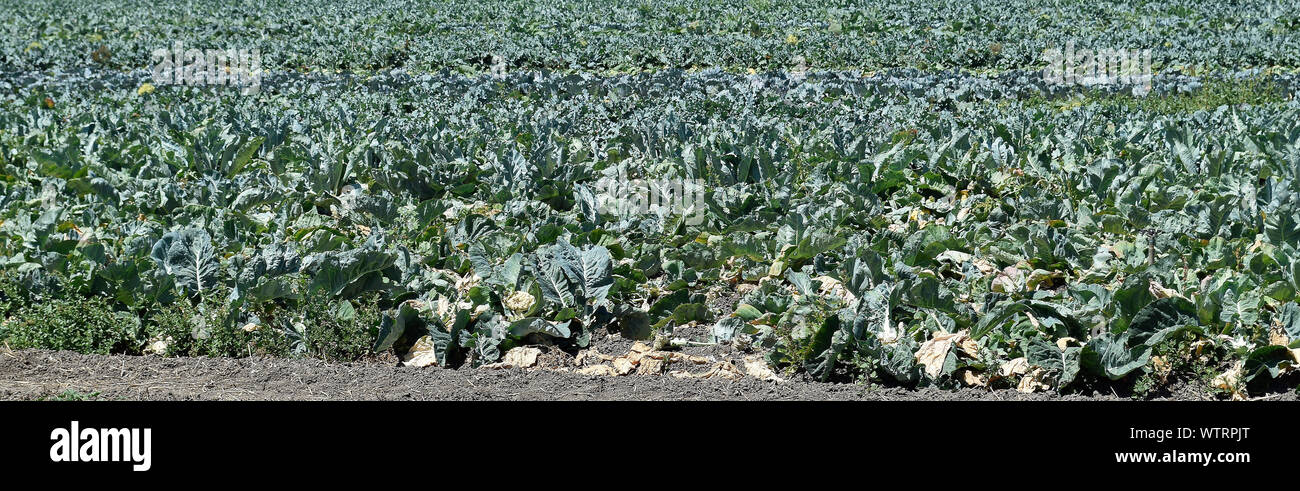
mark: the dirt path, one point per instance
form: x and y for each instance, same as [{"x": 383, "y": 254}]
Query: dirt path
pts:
[{"x": 37, "y": 374}]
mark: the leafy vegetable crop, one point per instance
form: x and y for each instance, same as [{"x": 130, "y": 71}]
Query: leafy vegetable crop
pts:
[{"x": 932, "y": 216}]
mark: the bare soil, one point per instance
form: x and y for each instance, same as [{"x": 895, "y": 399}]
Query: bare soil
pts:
[{"x": 40, "y": 374}]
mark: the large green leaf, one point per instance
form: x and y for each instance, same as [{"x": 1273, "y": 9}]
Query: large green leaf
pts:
[
  {"x": 1110, "y": 356},
  {"x": 1161, "y": 318},
  {"x": 187, "y": 255},
  {"x": 1283, "y": 227},
  {"x": 1240, "y": 307},
  {"x": 524, "y": 327},
  {"x": 589, "y": 269},
  {"x": 333, "y": 272},
  {"x": 1270, "y": 360},
  {"x": 1064, "y": 363}
]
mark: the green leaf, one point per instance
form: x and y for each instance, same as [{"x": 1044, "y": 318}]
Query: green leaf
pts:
[
  {"x": 1240, "y": 307},
  {"x": 268, "y": 289},
  {"x": 1282, "y": 227},
  {"x": 244, "y": 155},
  {"x": 747, "y": 312},
  {"x": 1289, "y": 317},
  {"x": 1052, "y": 318},
  {"x": 1161, "y": 318},
  {"x": 343, "y": 311},
  {"x": 1066, "y": 364},
  {"x": 728, "y": 327},
  {"x": 1131, "y": 297},
  {"x": 1266, "y": 360},
  {"x": 334, "y": 272},
  {"x": 530, "y": 325},
  {"x": 899, "y": 361},
  {"x": 690, "y": 312},
  {"x": 1044, "y": 353},
  {"x": 394, "y": 327},
  {"x": 1109, "y": 356},
  {"x": 1071, "y": 359},
  {"x": 589, "y": 269},
  {"x": 803, "y": 283},
  {"x": 554, "y": 283},
  {"x": 822, "y": 365},
  {"x": 188, "y": 256}
]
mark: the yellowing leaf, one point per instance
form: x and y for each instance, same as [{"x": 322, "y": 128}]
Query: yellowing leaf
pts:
[
  {"x": 1231, "y": 382},
  {"x": 973, "y": 379},
  {"x": 422, "y": 354},
  {"x": 1035, "y": 380},
  {"x": 934, "y": 351},
  {"x": 623, "y": 366},
  {"x": 605, "y": 370},
  {"x": 1065, "y": 342},
  {"x": 757, "y": 368},
  {"x": 1018, "y": 366},
  {"x": 521, "y": 357},
  {"x": 1277, "y": 337}
]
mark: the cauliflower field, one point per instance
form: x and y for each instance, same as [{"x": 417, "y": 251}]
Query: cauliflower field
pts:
[{"x": 888, "y": 194}]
